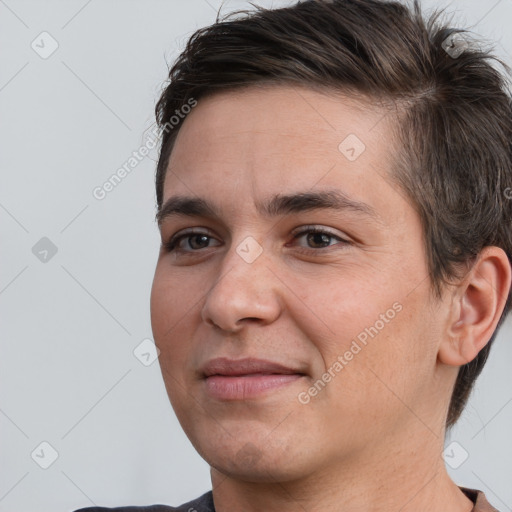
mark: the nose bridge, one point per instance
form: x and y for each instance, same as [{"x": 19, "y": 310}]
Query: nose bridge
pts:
[{"x": 243, "y": 289}]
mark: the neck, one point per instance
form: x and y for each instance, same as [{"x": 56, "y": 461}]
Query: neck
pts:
[{"x": 391, "y": 476}]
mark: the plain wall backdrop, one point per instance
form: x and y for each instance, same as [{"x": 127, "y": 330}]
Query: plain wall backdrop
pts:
[{"x": 78, "y": 84}]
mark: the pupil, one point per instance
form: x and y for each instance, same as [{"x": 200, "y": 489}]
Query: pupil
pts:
[
  {"x": 196, "y": 237},
  {"x": 319, "y": 239}
]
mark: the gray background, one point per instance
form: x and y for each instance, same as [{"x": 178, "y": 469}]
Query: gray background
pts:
[{"x": 69, "y": 325}]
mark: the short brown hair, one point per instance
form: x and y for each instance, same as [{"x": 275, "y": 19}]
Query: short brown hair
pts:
[{"x": 454, "y": 157}]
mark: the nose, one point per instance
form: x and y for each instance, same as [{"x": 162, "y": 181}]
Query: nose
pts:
[{"x": 244, "y": 292}]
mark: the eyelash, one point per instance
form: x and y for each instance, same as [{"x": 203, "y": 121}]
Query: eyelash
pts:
[{"x": 170, "y": 246}]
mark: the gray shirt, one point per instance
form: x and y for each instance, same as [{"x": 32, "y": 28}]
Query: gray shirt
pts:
[{"x": 205, "y": 504}]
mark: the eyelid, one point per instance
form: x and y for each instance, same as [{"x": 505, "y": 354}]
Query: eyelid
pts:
[
  {"x": 319, "y": 229},
  {"x": 171, "y": 244},
  {"x": 343, "y": 240}
]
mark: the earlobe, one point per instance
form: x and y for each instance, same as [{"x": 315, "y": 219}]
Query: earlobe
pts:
[{"x": 477, "y": 307}]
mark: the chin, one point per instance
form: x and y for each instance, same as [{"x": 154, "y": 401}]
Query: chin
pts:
[
  {"x": 255, "y": 461},
  {"x": 258, "y": 472}
]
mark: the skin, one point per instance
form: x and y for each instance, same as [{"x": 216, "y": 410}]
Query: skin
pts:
[{"x": 372, "y": 438}]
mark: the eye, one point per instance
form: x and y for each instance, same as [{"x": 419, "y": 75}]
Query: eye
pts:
[
  {"x": 194, "y": 239},
  {"x": 318, "y": 238}
]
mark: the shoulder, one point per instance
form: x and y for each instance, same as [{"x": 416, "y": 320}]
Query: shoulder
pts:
[
  {"x": 479, "y": 499},
  {"x": 202, "y": 504}
]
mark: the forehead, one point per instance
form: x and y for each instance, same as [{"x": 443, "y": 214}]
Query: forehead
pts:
[
  {"x": 257, "y": 140},
  {"x": 270, "y": 114}
]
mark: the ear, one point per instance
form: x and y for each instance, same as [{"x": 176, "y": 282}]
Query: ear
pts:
[{"x": 476, "y": 307}]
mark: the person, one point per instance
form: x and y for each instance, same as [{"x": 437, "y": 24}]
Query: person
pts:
[{"x": 344, "y": 168}]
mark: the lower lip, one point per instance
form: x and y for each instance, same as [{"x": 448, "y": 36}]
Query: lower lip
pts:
[{"x": 242, "y": 387}]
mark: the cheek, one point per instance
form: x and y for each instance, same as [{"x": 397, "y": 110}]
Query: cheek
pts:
[
  {"x": 390, "y": 375},
  {"x": 171, "y": 307},
  {"x": 170, "y": 301},
  {"x": 384, "y": 343},
  {"x": 168, "y": 321}
]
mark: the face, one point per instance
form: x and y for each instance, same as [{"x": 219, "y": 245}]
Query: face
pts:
[{"x": 293, "y": 314}]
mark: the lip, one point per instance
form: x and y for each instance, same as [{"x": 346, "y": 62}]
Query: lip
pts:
[{"x": 241, "y": 379}]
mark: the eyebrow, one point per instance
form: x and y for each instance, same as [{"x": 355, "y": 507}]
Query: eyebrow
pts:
[{"x": 279, "y": 204}]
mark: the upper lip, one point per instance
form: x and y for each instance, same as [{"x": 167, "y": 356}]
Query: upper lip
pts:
[{"x": 247, "y": 366}]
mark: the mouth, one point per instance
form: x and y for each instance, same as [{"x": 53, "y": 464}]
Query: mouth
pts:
[{"x": 230, "y": 379}]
